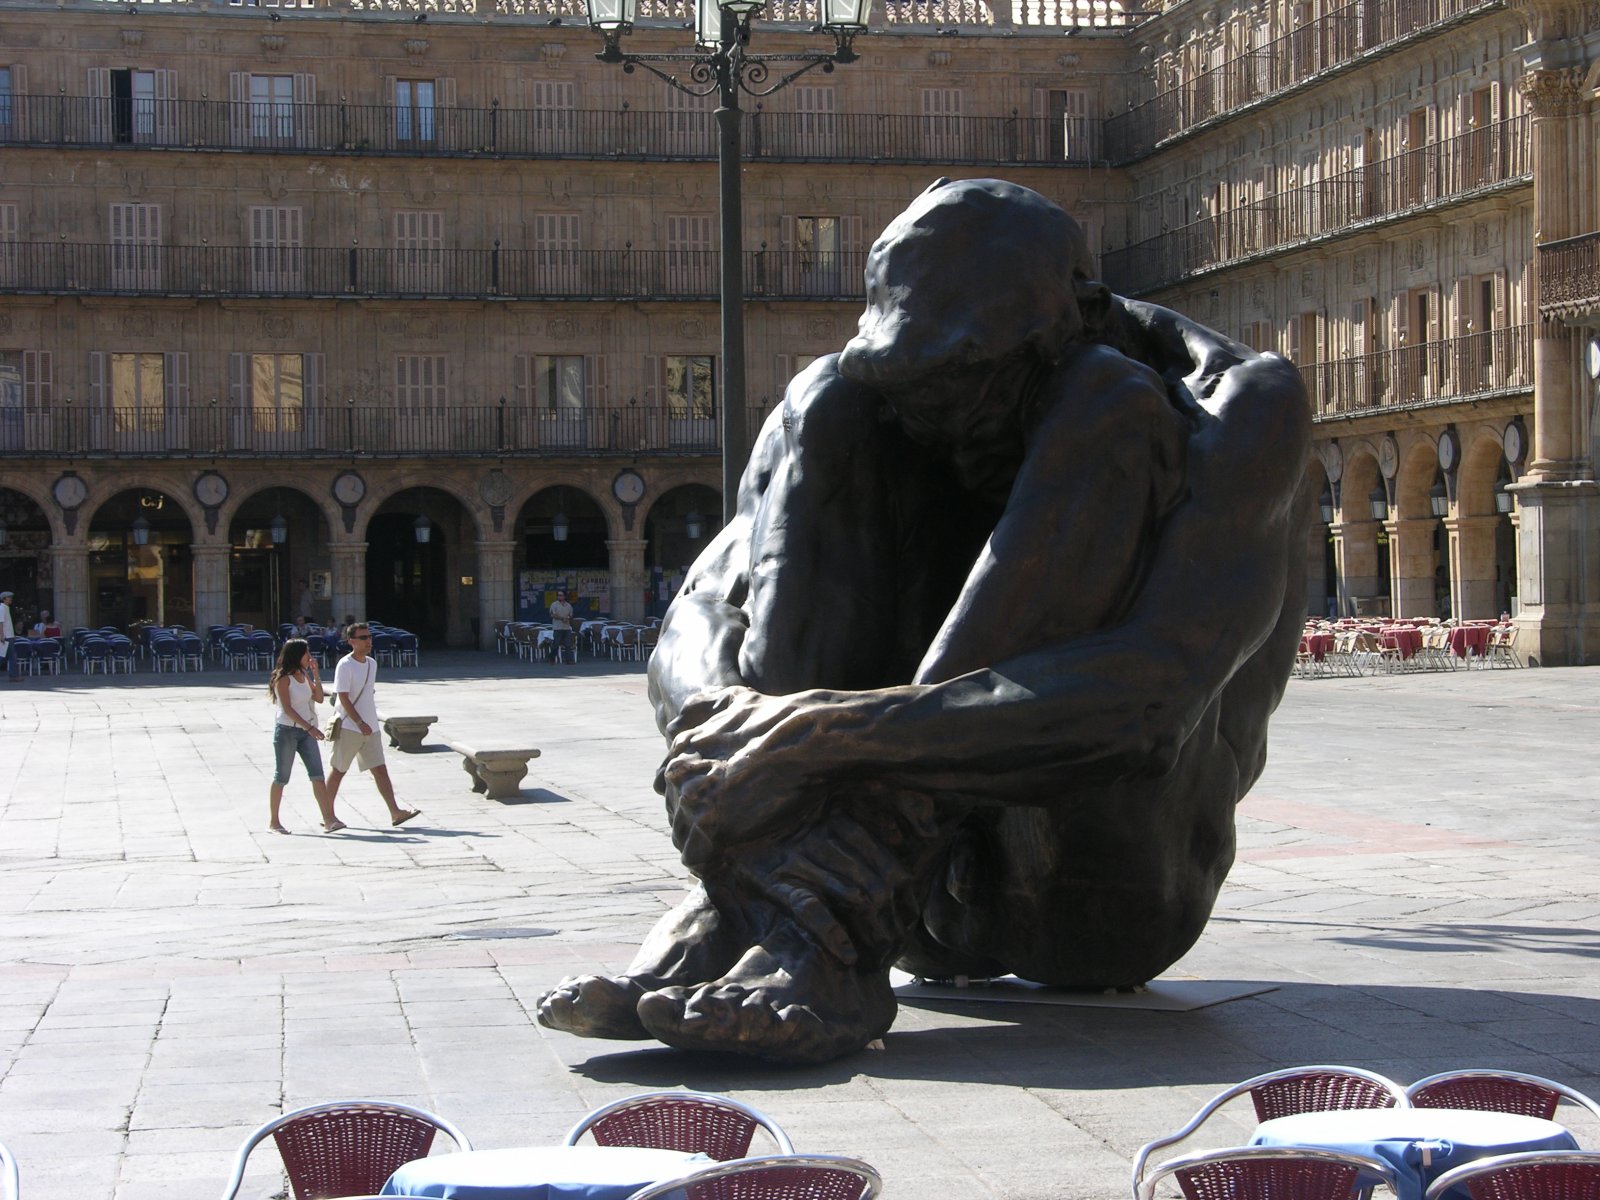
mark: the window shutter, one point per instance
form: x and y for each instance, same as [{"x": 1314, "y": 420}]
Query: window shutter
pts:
[
  {"x": 522, "y": 389},
  {"x": 850, "y": 234},
  {"x": 1294, "y": 342},
  {"x": 97, "y": 380},
  {"x": 166, "y": 114},
  {"x": 445, "y": 92},
  {"x": 786, "y": 236},
  {"x": 19, "y": 79},
  {"x": 238, "y": 107},
  {"x": 1402, "y": 319},
  {"x": 1433, "y": 333},
  {"x": 239, "y": 381},
  {"x": 596, "y": 385},
  {"x": 305, "y": 116},
  {"x": 314, "y": 371},
  {"x": 655, "y": 391},
  {"x": 1464, "y": 322},
  {"x": 391, "y": 91},
  {"x": 782, "y": 372},
  {"x": 37, "y": 382},
  {"x": 99, "y": 104},
  {"x": 175, "y": 372}
]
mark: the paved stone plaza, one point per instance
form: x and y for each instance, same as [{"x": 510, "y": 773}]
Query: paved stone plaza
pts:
[{"x": 1416, "y": 874}]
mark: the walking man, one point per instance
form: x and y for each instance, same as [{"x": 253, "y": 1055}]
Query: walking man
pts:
[
  {"x": 8, "y": 631},
  {"x": 358, "y": 740},
  {"x": 561, "y": 629}
]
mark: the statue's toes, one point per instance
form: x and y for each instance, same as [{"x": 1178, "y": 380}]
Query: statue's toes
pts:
[
  {"x": 737, "y": 1020},
  {"x": 593, "y": 1006}
]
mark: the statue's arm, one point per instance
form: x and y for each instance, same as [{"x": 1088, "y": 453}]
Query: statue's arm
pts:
[{"x": 1055, "y": 722}]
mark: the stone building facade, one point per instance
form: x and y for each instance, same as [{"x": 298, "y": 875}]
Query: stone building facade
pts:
[{"x": 286, "y": 288}]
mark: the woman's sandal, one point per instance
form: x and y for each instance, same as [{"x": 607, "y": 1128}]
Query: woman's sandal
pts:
[{"x": 333, "y": 828}]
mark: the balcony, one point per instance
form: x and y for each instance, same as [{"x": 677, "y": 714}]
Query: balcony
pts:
[
  {"x": 1569, "y": 277},
  {"x": 495, "y": 132},
  {"x": 1440, "y": 174},
  {"x": 1330, "y": 43},
  {"x": 1443, "y": 372},
  {"x": 70, "y": 430},
  {"x": 372, "y": 272}
]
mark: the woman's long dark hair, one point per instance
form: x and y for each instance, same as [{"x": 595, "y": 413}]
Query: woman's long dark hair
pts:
[{"x": 290, "y": 659}]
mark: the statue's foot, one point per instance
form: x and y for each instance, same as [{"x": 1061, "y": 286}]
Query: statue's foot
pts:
[
  {"x": 598, "y": 1006},
  {"x": 787, "y": 1002},
  {"x": 694, "y": 942}
]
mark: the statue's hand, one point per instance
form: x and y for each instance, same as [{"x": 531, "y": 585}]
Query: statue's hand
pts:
[{"x": 740, "y": 771}]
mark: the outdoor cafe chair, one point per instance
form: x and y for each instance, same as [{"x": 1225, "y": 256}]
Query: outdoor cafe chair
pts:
[
  {"x": 10, "y": 1178},
  {"x": 694, "y": 1122},
  {"x": 47, "y": 656},
  {"x": 773, "y": 1177},
  {"x": 346, "y": 1148},
  {"x": 1286, "y": 1092},
  {"x": 192, "y": 651},
  {"x": 94, "y": 652},
  {"x": 1272, "y": 1173},
  {"x": 21, "y": 652},
  {"x": 1496, "y": 1091},
  {"x": 166, "y": 654},
  {"x": 1534, "y": 1175}
]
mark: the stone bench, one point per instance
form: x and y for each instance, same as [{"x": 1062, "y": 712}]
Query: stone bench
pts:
[
  {"x": 496, "y": 773},
  {"x": 406, "y": 733}
]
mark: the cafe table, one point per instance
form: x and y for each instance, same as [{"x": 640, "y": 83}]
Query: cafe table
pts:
[
  {"x": 1420, "y": 1143},
  {"x": 541, "y": 1173}
]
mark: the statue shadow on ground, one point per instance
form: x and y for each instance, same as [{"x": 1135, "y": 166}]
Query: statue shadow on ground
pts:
[{"x": 1401, "y": 1031}]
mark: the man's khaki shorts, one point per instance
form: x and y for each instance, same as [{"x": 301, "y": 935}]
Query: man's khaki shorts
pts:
[{"x": 352, "y": 746}]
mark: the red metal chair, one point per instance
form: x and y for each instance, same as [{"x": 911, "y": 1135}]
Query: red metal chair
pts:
[
  {"x": 1286, "y": 1092},
  {"x": 773, "y": 1177},
  {"x": 1536, "y": 1175},
  {"x": 1272, "y": 1173},
  {"x": 694, "y": 1122},
  {"x": 347, "y": 1148},
  {"x": 1496, "y": 1091}
]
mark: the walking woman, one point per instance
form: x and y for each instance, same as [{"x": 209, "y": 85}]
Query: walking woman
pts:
[{"x": 296, "y": 686}]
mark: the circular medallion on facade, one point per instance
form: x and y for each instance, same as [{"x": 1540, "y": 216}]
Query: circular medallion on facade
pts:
[
  {"x": 1515, "y": 443},
  {"x": 495, "y": 488},
  {"x": 348, "y": 489},
  {"x": 211, "y": 489},
  {"x": 628, "y": 487},
  {"x": 1388, "y": 456},
  {"x": 1332, "y": 461},
  {"x": 70, "y": 491},
  {"x": 1449, "y": 450}
]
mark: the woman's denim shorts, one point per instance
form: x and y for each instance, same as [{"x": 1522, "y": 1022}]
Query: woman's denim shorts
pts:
[{"x": 289, "y": 740}]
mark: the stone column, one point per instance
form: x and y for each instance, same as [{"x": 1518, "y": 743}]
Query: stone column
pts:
[
  {"x": 69, "y": 572},
  {"x": 1411, "y": 566},
  {"x": 1355, "y": 548},
  {"x": 1317, "y": 570},
  {"x": 1559, "y": 621},
  {"x": 349, "y": 579},
  {"x": 627, "y": 578},
  {"x": 497, "y": 587},
  {"x": 1472, "y": 567},
  {"x": 213, "y": 593}
]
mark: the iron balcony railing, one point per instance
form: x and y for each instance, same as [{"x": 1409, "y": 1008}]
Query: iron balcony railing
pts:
[
  {"x": 1327, "y": 43},
  {"x": 1569, "y": 276},
  {"x": 336, "y": 128},
  {"x": 72, "y": 268},
  {"x": 1458, "y": 368},
  {"x": 68, "y": 430},
  {"x": 1441, "y": 172}
]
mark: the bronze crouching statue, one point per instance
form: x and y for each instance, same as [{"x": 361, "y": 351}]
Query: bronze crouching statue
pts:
[{"x": 977, "y": 675}]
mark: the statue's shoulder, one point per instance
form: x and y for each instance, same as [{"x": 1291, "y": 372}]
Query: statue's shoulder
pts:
[{"x": 822, "y": 410}]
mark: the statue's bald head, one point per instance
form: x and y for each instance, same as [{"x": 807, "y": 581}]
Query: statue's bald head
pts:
[{"x": 972, "y": 270}]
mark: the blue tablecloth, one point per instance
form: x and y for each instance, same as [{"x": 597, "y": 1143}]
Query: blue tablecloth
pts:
[
  {"x": 540, "y": 1173},
  {"x": 1420, "y": 1143}
]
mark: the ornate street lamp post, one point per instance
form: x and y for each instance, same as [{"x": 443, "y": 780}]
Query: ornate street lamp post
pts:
[{"x": 720, "y": 64}]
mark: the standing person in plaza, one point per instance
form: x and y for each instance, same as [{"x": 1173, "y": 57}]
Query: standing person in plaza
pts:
[
  {"x": 307, "y": 604},
  {"x": 561, "y": 628},
  {"x": 8, "y": 631},
  {"x": 296, "y": 686},
  {"x": 358, "y": 740}
]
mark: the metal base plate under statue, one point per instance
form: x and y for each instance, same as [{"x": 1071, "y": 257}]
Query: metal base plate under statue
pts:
[{"x": 1159, "y": 995}]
